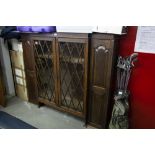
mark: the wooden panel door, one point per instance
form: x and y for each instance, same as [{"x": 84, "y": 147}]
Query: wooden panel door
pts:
[
  {"x": 45, "y": 69},
  {"x": 30, "y": 69},
  {"x": 72, "y": 62},
  {"x": 101, "y": 68}
]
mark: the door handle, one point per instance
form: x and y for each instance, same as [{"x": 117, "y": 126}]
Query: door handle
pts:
[{"x": 101, "y": 48}]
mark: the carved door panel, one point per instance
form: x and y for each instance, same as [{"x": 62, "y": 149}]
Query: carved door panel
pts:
[{"x": 101, "y": 64}]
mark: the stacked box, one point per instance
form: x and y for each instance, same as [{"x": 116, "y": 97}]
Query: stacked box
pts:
[{"x": 18, "y": 70}]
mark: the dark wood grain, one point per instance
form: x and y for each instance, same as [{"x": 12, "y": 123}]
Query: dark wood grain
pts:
[
  {"x": 52, "y": 57},
  {"x": 2, "y": 91},
  {"x": 97, "y": 76},
  {"x": 29, "y": 59},
  {"x": 73, "y": 40},
  {"x": 31, "y": 86},
  {"x": 29, "y": 64},
  {"x": 101, "y": 69}
]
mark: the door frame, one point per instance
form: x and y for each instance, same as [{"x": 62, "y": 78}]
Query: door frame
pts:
[
  {"x": 53, "y": 53},
  {"x": 74, "y": 40}
]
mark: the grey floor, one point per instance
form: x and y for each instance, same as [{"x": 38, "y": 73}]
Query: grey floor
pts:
[{"x": 42, "y": 118}]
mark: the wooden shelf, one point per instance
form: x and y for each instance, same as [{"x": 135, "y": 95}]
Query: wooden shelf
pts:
[
  {"x": 63, "y": 58},
  {"x": 45, "y": 56},
  {"x": 72, "y": 60}
]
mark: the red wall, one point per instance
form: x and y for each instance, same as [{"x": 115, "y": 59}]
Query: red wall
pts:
[{"x": 142, "y": 84}]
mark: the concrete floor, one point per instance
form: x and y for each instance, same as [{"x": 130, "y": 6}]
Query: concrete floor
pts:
[{"x": 42, "y": 118}]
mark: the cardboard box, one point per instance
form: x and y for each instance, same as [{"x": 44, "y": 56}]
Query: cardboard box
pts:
[
  {"x": 19, "y": 74},
  {"x": 21, "y": 92},
  {"x": 16, "y": 45},
  {"x": 108, "y": 29},
  {"x": 91, "y": 29},
  {"x": 75, "y": 29},
  {"x": 17, "y": 59}
]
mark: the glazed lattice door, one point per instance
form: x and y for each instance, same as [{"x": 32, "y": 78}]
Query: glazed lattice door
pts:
[
  {"x": 72, "y": 75},
  {"x": 44, "y": 53}
]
